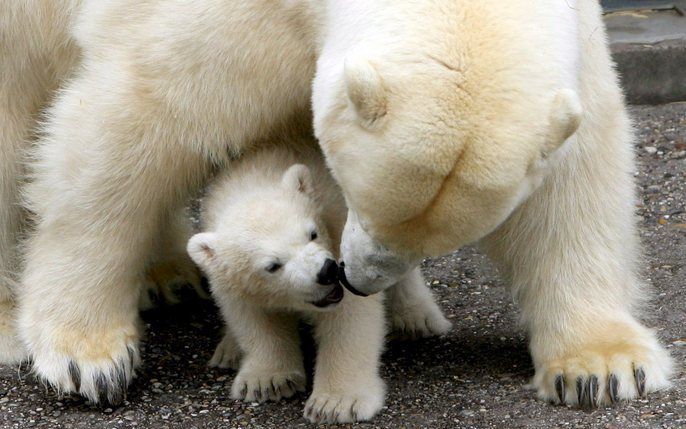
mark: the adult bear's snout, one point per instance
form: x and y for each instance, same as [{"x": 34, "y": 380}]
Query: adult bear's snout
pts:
[
  {"x": 329, "y": 273},
  {"x": 344, "y": 281}
]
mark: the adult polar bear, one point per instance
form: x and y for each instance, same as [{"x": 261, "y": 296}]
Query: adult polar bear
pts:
[{"x": 438, "y": 118}]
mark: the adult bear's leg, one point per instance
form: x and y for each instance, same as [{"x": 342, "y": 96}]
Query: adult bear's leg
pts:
[
  {"x": 170, "y": 268},
  {"x": 571, "y": 253},
  {"x": 111, "y": 167},
  {"x": 35, "y": 54},
  {"x": 21, "y": 97}
]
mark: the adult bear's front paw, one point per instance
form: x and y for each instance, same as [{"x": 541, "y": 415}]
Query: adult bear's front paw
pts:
[
  {"x": 98, "y": 366},
  {"x": 340, "y": 405},
  {"x": 623, "y": 363}
]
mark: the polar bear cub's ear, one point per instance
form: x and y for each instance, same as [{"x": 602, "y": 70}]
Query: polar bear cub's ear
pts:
[
  {"x": 298, "y": 178},
  {"x": 365, "y": 90},
  {"x": 202, "y": 249},
  {"x": 565, "y": 117}
]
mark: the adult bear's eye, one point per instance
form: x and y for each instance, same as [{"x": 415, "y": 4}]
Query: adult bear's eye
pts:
[
  {"x": 274, "y": 267},
  {"x": 313, "y": 235}
]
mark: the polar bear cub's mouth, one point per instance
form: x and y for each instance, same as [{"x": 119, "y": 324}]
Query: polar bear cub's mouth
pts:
[{"x": 334, "y": 297}]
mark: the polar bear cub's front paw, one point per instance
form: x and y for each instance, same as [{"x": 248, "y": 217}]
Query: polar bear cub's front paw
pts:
[
  {"x": 267, "y": 384},
  {"x": 340, "y": 405},
  {"x": 227, "y": 354},
  {"x": 622, "y": 366}
]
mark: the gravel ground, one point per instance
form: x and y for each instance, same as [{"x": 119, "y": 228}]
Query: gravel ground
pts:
[{"x": 473, "y": 378}]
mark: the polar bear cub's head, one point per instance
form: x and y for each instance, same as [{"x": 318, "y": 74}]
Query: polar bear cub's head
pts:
[{"x": 268, "y": 244}]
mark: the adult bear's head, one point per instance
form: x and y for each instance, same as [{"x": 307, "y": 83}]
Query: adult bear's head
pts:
[{"x": 435, "y": 151}]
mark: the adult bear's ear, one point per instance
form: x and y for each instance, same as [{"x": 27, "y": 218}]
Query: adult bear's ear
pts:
[
  {"x": 298, "y": 178},
  {"x": 202, "y": 249},
  {"x": 564, "y": 120},
  {"x": 365, "y": 90}
]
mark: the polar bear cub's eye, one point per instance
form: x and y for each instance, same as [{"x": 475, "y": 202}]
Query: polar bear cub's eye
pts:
[
  {"x": 313, "y": 235},
  {"x": 274, "y": 267}
]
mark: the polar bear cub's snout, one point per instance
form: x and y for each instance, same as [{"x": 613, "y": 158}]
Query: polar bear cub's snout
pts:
[
  {"x": 328, "y": 277},
  {"x": 316, "y": 273},
  {"x": 329, "y": 273}
]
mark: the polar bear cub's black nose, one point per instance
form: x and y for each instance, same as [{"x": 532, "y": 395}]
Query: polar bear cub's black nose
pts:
[{"x": 329, "y": 273}]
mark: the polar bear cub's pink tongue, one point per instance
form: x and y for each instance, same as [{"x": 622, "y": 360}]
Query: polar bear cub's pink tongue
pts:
[{"x": 334, "y": 297}]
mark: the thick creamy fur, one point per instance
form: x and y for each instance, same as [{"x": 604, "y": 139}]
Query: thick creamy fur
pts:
[
  {"x": 438, "y": 118},
  {"x": 253, "y": 215},
  {"x": 35, "y": 54},
  {"x": 264, "y": 208},
  {"x": 491, "y": 105}
]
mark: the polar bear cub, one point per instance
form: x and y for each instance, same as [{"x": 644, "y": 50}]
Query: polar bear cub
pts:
[{"x": 271, "y": 224}]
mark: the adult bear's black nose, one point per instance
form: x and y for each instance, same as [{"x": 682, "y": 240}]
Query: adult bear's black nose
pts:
[
  {"x": 329, "y": 273},
  {"x": 344, "y": 281}
]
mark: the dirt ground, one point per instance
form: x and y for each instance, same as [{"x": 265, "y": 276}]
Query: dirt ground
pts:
[{"x": 473, "y": 378}]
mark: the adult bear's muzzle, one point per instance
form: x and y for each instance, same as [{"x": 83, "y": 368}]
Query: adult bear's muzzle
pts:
[{"x": 344, "y": 281}]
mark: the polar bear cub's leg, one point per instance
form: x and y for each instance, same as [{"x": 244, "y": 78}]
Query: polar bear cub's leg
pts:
[
  {"x": 272, "y": 364},
  {"x": 347, "y": 386},
  {"x": 412, "y": 310}
]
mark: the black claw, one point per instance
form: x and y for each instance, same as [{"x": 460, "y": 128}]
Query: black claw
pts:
[
  {"x": 560, "y": 388},
  {"x": 118, "y": 391},
  {"x": 116, "y": 396},
  {"x": 593, "y": 391},
  {"x": 244, "y": 391},
  {"x": 101, "y": 387},
  {"x": 75, "y": 375},
  {"x": 640, "y": 376},
  {"x": 580, "y": 390},
  {"x": 613, "y": 388},
  {"x": 132, "y": 355},
  {"x": 121, "y": 376}
]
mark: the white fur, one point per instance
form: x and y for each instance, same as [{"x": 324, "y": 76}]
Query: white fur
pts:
[
  {"x": 169, "y": 267},
  {"x": 249, "y": 228},
  {"x": 91, "y": 247},
  {"x": 35, "y": 55},
  {"x": 510, "y": 118},
  {"x": 167, "y": 89}
]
